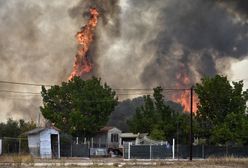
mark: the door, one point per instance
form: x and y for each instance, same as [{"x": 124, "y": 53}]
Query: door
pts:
[{"x": 54, "y": 145}]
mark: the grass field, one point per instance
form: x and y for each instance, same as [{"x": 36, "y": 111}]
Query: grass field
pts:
[{"x": 28, "y": 161}]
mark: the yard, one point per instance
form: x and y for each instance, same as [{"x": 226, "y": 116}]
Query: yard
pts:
[{"x": 29, "y": 162}]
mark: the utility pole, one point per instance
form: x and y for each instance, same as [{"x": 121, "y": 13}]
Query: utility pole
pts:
[{"x": 191, "y": 122}]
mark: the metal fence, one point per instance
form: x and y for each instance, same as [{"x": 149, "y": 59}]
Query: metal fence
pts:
[
  {"x": 206, "y": 151},
  {"x": 74, "y": 147},
  {"x": 74, "y": 150},
  {"x": 147, "y": 151},
  {"x": 14, "y": 145},
  {"x": 182, "y": 151}
]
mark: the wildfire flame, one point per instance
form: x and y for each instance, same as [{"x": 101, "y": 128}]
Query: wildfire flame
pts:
[
  {"x": 183, "y": 97},
  {"x": 84, "y": 38}
]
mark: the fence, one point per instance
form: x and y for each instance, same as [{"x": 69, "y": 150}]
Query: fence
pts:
[
  {"x": 147, "y": 151},
  {"x": 181, "y": 151},
  {"x": 11, "y": 145},
  {"x": 74, "y": 147},
  {"x": 206, "y": 151},
  {"x": 74, "y": 150}
]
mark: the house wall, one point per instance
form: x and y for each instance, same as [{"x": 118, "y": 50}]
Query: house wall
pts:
[
  {"x": 113, "y": 144},
  {"x": 103, "y": 139},
  {"x": 45, "y": 143},
  {"x": 34, "y": 144}
]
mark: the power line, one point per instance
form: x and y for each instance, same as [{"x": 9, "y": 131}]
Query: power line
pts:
[
  {"x": 12, "y": 91},
  {"x": 119, "y": 89},
  {"x": 147, "y": 89},
  {"x": 23, "y": 83}
]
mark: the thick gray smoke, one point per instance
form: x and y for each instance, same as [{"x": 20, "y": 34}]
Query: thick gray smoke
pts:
[
  {"x": 37, "y": 46},
  {"x": 162, "y": 42},
  {"x": 138, "y": 43}
]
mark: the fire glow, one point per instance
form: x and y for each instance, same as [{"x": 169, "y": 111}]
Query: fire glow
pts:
[
  {"x": 84, "y": 38},
  {"x": 82, "y": 65},
  {"x": 183, "y": 97}
]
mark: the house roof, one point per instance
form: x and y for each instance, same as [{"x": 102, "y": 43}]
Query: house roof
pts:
[
  {"x": 34, "y": 131},
  {"x": 107, "y": 129},
  {"x": 40, "y": 129},
  {"x": 132, "y": 135}
]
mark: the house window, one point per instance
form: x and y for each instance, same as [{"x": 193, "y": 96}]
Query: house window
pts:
[{"x": 114, "y": 138}]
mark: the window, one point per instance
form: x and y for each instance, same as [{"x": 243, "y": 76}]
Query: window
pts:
[{"x": 114, "y": 138}]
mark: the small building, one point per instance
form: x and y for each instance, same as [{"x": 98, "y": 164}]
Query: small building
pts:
[
  {"x": 107, "y": 137},
  {"x": 133, "y": 138},
  {"x": 44, "y": 142}
]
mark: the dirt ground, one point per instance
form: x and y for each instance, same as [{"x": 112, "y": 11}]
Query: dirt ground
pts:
[{"x": 29, "y": 162}]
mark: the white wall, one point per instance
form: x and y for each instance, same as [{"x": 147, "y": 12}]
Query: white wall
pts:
[
  {"x": 34, "y": 140},
  {"x": 113, "y": 144},
  {"x": 45, "y": 143}
]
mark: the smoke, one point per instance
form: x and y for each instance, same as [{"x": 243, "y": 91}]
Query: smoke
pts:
[
  {"x": 137, "y": 44},
  {"x": 162, "y": 41},
  {"x": 37, "y": 45}
]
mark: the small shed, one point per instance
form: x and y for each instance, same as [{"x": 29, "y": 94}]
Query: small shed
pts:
[{"x": 44, "y": 142}]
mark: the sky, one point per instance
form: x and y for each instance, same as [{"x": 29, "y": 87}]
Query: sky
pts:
[{"x": 137, "y": 44}]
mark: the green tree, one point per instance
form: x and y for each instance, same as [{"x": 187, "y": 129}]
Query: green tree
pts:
[
  {"x": 154, "y": 117},
  {"x": 219, "y": 105},
  {"x": 79, "y": 107},
  {"x": 14, "y": 128}
]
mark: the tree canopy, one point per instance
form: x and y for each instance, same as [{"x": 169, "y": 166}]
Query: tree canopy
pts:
[
  {"x": 221, "y": 110},
  {"x": 158, "y": 119},
  {"x": 13, "y": 128},
  {"x": 79, "y": 107}
]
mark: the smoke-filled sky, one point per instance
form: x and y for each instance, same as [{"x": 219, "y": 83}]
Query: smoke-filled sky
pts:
[{"x": 137, "y": 44}]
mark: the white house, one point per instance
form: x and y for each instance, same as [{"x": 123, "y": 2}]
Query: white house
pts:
[
  {"x": 133, "y": 138},
  {"x": 44, "y": 142},
  {"x": 107, "y": 137}
]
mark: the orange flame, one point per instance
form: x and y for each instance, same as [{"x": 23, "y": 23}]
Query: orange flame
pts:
[
  {"x": 184, "y": 100},
  {"x": 184, "y": 97},
  {"x": 84, "y": 38}
]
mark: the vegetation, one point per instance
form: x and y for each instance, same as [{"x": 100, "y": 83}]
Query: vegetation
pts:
[
  {"x": 14, "y": 128},
  {"x": 79, "y": 107},
  {"x": 221, "y": 111},
  {"x": 158, "y": 119},
  {"x": 220, "y": 119}
]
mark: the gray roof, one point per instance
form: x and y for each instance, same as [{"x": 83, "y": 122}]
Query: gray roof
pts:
[
  {"x": 132, "y": 135},
  {"x": 35, "y": 131},
  {"x": 40, "y": 129}
]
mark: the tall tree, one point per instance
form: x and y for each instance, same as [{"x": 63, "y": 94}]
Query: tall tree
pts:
[
  {"x": 218, "y": 101},
  {"x": 79, "y": 107},
  {"x": 15, "y": 128},
  {"x": 154, "y": 117}
]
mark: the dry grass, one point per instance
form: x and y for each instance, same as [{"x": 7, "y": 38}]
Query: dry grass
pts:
[
  {"x": 227, "y": 162},
  {"x": 18, "y": 159}
]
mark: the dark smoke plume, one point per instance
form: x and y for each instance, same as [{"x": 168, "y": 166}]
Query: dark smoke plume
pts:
[{"x": 138, "y": 43}]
